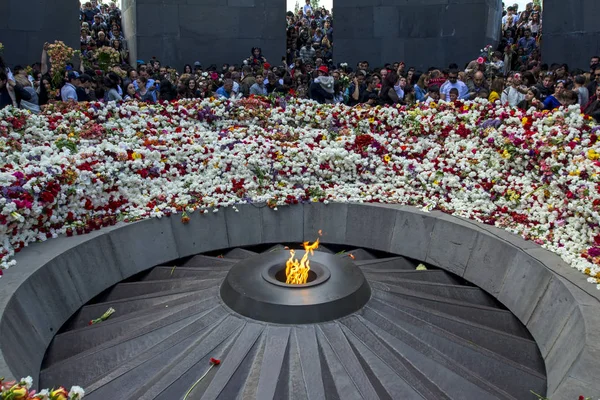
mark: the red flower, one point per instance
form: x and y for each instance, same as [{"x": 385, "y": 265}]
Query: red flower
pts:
[
  {"x": 47, "y": 197},
  {"x": 215, "y": 361},
  {"x": 581, "y": 398}
]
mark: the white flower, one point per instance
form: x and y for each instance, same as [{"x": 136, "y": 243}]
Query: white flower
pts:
[
  {"x": 42, "y": 394},
  {"x": 76, "y": 393},
  {"x": 28, "y": 382}
]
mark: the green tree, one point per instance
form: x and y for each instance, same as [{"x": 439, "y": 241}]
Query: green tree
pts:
[
  {"x": 297, "y": 7},
  {"x": 315, "y": 4}
]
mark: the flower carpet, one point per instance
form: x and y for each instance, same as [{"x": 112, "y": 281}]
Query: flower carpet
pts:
[{"x": 76, "y": 168}]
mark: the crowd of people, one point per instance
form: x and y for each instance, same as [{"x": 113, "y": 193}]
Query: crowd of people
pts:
[{"x": 512, "y": 73}]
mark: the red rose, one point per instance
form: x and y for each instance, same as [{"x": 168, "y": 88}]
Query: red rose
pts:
[
  {"x": 47, "y": 197},
  {"x": 215, "y": 361}
]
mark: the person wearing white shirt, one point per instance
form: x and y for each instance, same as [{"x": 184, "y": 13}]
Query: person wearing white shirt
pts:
[
  {"x": 453, "y": 82},
  {"x": 514, "y": 92}
]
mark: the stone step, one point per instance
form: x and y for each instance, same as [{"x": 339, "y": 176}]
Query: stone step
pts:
[
  {"x": 398, "y": 263},
  {"x": 127, "y": 306},
  {"x": 468, "y": 294},
  {"x": 135, "y": 376},
  {"x": 239, "y": 254},
  {"x": 87, "y": 366},
  {"x": 490, "y": 367},
  {"x": 165, "y": 273},
  {"x": 134, "y": 289},
  {"x": 73, "y": 342},
  {"x": 358, "y": 255},
  {"x": 438, "y": 276},
  {"x": 494, "y": 318},
  {"x": 241, "y": 358},
  {"x": 277, "y": 247},
  {"x": 208, "y": 262},
  {"x": 436, "y": 376},
  {"x": 514, "y": 348}
]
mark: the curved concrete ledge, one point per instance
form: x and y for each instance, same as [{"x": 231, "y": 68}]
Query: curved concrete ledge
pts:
[{"x": 55, "y": 278}]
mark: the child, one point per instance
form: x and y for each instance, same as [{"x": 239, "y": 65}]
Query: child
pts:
[
  {"x": 433, "y": 94},
  {"x": 453, "y": 95}
]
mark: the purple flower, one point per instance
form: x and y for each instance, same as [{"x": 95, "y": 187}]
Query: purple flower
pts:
[{"x": 594, "y": 251}]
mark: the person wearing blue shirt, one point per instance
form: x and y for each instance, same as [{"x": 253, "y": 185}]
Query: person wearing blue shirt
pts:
[
  {"x": 68, "y": 92},
  {"x": 551, "y": 102},
  {"x": 307, "y": 8},
  {"x": 150, "y": 85},
  {"x": 527, "y": 43},
  {"x": 225, "y": 91},
  {"x": 453, "y": 82}
]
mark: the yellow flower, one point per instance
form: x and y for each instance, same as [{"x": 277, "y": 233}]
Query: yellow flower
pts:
[
  {"x": 136, "y": 156},
  {"x": 59, "y": 394},
  {"x": 505, "y": 154},
  {"x": 524, "y": 120},
  {"x": 592, "y": 155},
  {"x": 387, "y": 158}
]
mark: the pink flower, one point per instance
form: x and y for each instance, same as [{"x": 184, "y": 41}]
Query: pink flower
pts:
[{"x": 480, "y": 60}]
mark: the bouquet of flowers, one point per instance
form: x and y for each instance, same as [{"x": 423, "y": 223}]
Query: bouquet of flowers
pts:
[
  {"x": 107, "y": 56},
  {"x": 60, "y": 54},
  {"x": 22, "y": 391},
  {"x": 345, "y": 82}
]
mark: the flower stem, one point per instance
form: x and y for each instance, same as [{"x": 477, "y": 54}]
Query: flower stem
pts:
[{"x": 197, "y": 382}]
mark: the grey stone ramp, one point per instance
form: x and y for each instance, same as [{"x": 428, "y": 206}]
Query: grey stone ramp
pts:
[
  {"x": 239, "y": 254},
  {"x": 422, "y": 335},
  {"x": 386, "y": 263}
]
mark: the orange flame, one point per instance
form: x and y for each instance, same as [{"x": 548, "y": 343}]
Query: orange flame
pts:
[{"x": 296, "y": 271}]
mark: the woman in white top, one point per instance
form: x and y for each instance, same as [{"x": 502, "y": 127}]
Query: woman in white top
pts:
[{"x": 534, "y": 24}]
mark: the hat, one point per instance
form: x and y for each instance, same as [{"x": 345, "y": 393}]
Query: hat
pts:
[
  {"x": 197, "y": 64},
  {"x": 141, "y": 62},
  {"x": 323, "y": 69},
  {"x": 72, "y": 75}
]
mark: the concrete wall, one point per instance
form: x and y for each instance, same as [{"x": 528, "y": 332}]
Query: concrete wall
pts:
[
  {"x": 571, "y": 32},
  {"x": 210, "y": 31},
  {"x": 423, "y": 33},
  {"x": 26, "y": 24},
  {"x": 54, "y": 279}
]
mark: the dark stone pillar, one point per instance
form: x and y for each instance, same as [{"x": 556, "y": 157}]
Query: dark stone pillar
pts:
[
  {"x": 423, "y": 33},
  {"x": 571, "y": 32},
  {"x": 26, "y": 24},
  {"x": 210, "y": 31}
]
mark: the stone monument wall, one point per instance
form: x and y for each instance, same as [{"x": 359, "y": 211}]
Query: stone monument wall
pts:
[
  {"x": 26, "y": 24},
  {"x": 423, "y": 33},
  {"x": 571, "y": 32},
  {"x": 210, "y": 31}
]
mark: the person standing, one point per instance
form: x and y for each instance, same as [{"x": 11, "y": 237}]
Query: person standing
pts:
[{"x": 307, "y": 9}]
